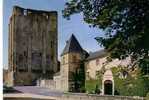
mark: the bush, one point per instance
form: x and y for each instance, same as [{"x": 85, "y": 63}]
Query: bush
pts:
[
  {"x": 131, "y": 86},
  {"x": 90, "y": 85},
  {"x": 147, "y": 96},
  {"x": 97, "y": 89}
]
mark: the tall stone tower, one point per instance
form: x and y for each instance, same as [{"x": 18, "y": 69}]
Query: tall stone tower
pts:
[
  {"x": 70, "y": 60},
  {"x": 32, "y": 45}
]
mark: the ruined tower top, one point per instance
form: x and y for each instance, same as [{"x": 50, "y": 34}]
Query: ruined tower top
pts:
[{"x": 23, "y": 11}]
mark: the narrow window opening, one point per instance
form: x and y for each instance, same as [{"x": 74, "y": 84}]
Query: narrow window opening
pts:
[{"x": 25, "y": 12}]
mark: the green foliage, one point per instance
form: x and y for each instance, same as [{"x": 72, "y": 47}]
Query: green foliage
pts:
[
  {"x": 125, "y": 23},
  {"x": 90, "y": 85},
  {"x": 144, "y": 65},
  {"x": 131, "y": 86},
  {"x": 147, "y": 96},
  {"x": 97, "y": 89},
  {"x": 94, "y": 86}
]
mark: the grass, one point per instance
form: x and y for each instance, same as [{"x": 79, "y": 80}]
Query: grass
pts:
[{"x": 90, "y": 85}]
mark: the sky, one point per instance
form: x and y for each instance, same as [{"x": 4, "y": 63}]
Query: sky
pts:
[{"x": 84, "y": 34}]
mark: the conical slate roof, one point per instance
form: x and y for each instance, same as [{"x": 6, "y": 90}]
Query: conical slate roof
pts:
[{"x": 72, "y": 45}]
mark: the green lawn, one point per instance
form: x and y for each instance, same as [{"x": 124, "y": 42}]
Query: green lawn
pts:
[{"x": 90, "y": 85}]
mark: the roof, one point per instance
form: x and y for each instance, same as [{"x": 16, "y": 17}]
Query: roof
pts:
[
  {"x": 72, "y": 45},
  {"x": 97, "y": 54}
]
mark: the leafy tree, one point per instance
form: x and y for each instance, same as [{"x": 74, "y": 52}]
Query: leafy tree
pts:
[
  {"x": 147, "y": 96},
  {"x": 131, "y": 84},
  {"x": 125, "y": 23}
]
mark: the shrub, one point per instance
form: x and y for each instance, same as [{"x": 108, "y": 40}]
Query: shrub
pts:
[{"x": 130, "y": 86}]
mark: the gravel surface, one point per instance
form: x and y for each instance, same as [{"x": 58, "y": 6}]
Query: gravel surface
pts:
[{"x": 38, "y": 90}]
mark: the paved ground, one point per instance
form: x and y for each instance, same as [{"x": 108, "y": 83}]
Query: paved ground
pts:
[{"x": 37, "y": 90}]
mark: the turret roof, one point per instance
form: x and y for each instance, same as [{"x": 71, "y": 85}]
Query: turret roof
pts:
[{"x": 72, "y": 45}]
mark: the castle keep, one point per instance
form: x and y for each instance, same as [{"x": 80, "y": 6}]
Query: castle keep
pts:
[{"x": 32, "y": 45}]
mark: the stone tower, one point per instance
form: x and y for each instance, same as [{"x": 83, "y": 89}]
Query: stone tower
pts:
[
  {"x": 70, "y": 60},
  {"x": 32, "y": 45}
]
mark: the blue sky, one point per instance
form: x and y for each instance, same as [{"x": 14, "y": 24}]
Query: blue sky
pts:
[{"x": 76, "y": 25}]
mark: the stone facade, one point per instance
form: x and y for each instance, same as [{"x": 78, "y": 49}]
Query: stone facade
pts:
[
  {"x": 7, "y": 78},
  {"x": 46, "y": 83},
  {"x": 93, "y": 66},
  {"x": 71, "y": 59},
  {"x": 70, "y": 63},
  {"x": 108, "y": 81},
  {"x": 32, "y": 45}
]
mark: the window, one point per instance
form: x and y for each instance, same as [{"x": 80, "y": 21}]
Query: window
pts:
[
  {"x": 25, "y": 54},
  {"x": 51, "y": 44},
  {"x": 20, "y": 58},
  {"x": 25, "y": 12},
  {"x": 52, "y": 57},
  {"x": 73, "y": 58},
  {"x": 97, "y": 62},
  {"x": 48, "y": 59}
]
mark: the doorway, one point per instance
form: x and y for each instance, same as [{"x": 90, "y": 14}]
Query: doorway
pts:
[{"x": 108, "y": 87}]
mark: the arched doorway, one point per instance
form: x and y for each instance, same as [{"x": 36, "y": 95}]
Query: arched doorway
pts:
[{"x": 108, "y": 87}]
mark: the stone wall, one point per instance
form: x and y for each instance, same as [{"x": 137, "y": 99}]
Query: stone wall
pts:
[
  {"x": 7, "y": 78},
  {"x": 96, "y": 97},
  {"x": 46, "y": 83},
  {"x": 69, "y": 96},
  {"x": 70, "y": 62},
  {"x": 92, "y": 66},
  {"x": 26, "y": 99},
  {"x": 32, "y": 44},
  {"x": 25, "y": 96}
]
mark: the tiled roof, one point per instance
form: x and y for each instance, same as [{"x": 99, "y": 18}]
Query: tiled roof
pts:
[
  {"x": 97, "y": 54},
  {"x": 72, "y": 45}
]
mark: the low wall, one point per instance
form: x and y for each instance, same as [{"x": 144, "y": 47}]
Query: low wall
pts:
[
  {"x": 25, "y": 99},
  {"x": 25, "y": 96},
  {"x": 46, "y": 83},
  {"x": 69, "y": 96},
  {"x": 77, "y": 96}
]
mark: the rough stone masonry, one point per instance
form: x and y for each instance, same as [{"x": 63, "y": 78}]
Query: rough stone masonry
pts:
[{"x": 32, "y": 45}]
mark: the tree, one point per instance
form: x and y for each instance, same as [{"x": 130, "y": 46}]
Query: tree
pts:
[{"x": 125, "y": 23}]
